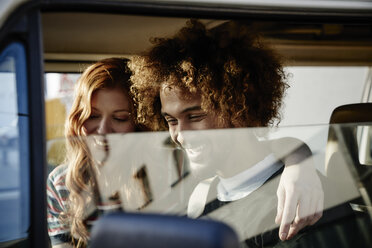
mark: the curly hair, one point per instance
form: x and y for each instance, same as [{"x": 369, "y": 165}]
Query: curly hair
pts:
[
  {"x": 107, "y": 73},
  {"x": 238, "y": 77}
]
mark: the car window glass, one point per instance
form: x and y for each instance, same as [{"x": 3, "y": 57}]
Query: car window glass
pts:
[
  {"x": 147, "y": 172},
  {"x": 146, "y": 181},
  {"x": 59, "y": 88},
  {"x": 14, "y": 154},
  {"x": 314, "y": 92}
]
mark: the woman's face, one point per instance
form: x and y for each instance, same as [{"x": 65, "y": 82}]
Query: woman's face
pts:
[{"x": 110, "y": 113}]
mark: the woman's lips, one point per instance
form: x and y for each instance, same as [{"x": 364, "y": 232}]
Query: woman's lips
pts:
[{"x": 100, "y": 143}]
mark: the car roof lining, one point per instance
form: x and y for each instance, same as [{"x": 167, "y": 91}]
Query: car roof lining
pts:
[{"x": 72, "y": 39}]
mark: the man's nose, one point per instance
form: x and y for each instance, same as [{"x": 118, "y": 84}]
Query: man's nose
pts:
[
  {"x": 179, "y": 138},
  {"x": 180, "y": 133},
  {"x": 104, "y": 126}
]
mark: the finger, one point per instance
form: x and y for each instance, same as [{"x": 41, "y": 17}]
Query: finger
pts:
[
  {"x": 302, "y": 215},
  {"x": 312, "y": 218},
  {"x": 288, "y": 215},
  {"x": 279, "y": 211},
  {"x": 294, "y": 229},
  {"x": 319, "y": 209},
  {"x": 303, "y": 208}
]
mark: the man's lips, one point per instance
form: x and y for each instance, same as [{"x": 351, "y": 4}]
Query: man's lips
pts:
[{"x": 195, "y": 153}]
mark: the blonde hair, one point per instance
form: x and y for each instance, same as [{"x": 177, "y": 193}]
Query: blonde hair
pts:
[{"x": 107, "y": 73}]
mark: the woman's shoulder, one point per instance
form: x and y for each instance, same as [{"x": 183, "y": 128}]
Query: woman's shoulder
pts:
[{"x": 58, "y": 174}]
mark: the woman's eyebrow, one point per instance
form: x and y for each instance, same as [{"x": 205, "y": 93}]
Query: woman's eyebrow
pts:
[
  {"x": 121, "y": 110},
  {"x": 115, "y": 111}
]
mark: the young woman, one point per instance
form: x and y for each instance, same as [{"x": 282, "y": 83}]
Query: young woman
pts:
[{"x": 102, "y": 105}]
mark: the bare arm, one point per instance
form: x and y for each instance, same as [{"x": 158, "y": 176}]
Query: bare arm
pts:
[{"x": 300, "y": 193}]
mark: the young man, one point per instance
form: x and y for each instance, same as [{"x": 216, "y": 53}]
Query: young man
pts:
[{"x": 211, "y": 79}]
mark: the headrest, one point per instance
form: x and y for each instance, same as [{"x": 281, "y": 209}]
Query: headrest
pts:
[
  {"x": 352, "y": 113},
  {"x": 155, "y": 230}
]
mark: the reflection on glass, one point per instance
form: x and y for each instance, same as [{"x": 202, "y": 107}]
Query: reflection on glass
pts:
[
  {"x": 235, "y": 175},
  {"x": 364, "y": 144},
  {"x": 179, "y": 161},
  {"x": 143, "y": 180},
  {"x": 181, "y": 165}
]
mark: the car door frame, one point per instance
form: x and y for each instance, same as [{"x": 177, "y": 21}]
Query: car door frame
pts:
[{"x": 23, "y": 25}]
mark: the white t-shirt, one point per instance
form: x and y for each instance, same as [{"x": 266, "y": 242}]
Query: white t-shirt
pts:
[{"x": 244, "y": 183}]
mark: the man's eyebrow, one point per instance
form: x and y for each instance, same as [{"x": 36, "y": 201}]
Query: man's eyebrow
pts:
[{"x": 198, "y": 107}]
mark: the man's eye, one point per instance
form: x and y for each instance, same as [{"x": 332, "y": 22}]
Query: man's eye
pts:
[
  {"x": 197, "y": 117},
  {"x": 171, "y": 122}
]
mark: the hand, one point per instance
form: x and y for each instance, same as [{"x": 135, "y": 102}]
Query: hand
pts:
[{"x": 300, "y": 198}]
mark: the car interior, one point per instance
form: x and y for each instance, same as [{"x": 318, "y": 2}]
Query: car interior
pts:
[
  {"x": 73, "y": 40},
  {"x": 328, "y": 61}
]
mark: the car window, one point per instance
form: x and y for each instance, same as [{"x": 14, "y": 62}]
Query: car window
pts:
[
  {"x": 147, "y": 172},
  {"x": 146, "y": 181},
  {"x": 313, "y": 94},
  {"x": 14, "y": 153},
  {"x": 315, "y": 91},
  {"x": 59, "y": 91}
]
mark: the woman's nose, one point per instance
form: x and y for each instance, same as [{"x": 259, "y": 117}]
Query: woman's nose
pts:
[{"x": 104, "y": 126}]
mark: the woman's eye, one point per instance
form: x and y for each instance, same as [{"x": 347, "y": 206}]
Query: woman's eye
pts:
[
  {"x": 94, "y": 116},
  {"x": 121, "y": 118}
]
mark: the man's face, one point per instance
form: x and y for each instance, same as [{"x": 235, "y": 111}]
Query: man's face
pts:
[{"x": 183, "y": 112}]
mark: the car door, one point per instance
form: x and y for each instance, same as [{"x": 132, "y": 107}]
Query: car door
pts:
[{"x": 22, "y": 183}]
